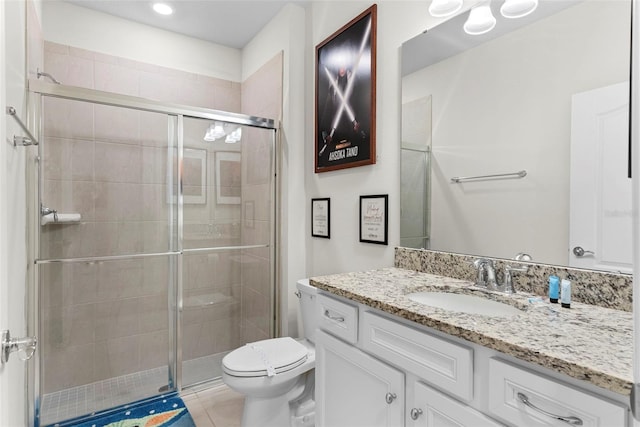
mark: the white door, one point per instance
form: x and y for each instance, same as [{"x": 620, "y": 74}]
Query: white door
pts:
[
  {"x": 600, "y": 190},
  {"x": 354, "y": 389}
]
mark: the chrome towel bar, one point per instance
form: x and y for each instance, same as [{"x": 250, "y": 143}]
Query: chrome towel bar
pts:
[
  {"x": 516, "y": 175},
  {"x": 20, "y": 140}
]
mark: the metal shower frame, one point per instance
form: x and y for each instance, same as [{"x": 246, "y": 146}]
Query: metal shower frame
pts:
[{"x": 38, "y": 89}]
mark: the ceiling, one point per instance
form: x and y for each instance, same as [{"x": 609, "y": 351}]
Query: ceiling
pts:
[{"x": 230, "y": 23}]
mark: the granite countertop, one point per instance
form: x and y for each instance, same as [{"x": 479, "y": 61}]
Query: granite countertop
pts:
[{"x": 586, "y": 342}]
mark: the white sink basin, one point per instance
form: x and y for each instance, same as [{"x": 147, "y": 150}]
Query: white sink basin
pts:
[{"x": 464, "y": 303}]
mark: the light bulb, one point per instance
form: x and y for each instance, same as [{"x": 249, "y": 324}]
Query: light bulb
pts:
[
  {"x": 234, "y": 136},
  {"x": 162, "y": 8},
  {"x": 518, "y": 8},
  {"x": 443, "y": 8},
  {"x": 215, "y": 131},
  {"x": 480, "y": 20}
]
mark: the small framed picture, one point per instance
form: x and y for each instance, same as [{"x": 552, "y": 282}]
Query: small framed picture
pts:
[
  {"x": 374, "y": 219},
  {"x": 321, "y": 218}
]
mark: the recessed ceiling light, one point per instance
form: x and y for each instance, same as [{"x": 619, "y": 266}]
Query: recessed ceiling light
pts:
[{"x": 162, "y": 8}]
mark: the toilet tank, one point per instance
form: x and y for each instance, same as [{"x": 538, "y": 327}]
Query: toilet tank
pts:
[{"x": 307, "y": 298}]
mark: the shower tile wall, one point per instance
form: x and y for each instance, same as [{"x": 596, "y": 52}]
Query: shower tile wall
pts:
[
  {"x": 262, "y": 97},
  {"x": 79, "y": 67},
  {"x": 106, "y": 319}
]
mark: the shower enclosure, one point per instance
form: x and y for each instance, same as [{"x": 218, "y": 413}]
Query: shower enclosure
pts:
[{"x": 155, "y": 246}]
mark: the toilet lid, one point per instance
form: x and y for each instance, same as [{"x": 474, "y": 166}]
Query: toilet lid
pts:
[{"x": 263, "y": 357}]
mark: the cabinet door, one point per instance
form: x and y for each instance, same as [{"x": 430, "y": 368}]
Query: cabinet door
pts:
[
  {"x": 354, "y": 389},
  {"x": 433, "y": 409}
]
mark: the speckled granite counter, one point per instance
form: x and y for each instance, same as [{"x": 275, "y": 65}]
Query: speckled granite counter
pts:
[{"x": 586, "y": 342}]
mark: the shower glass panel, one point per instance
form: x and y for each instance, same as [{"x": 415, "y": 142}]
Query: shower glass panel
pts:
[
  {"x": 228, "y": 268},
  {"x": 415, "y": 205},
  {"x": 155, "y": 247},
  {"x": 105, "y": 269}
]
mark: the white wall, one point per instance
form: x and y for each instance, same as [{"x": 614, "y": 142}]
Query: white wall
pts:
[
  {"x": 501, "y": 218},
  {"x": 84, "y": 28},
  {"x": 13, "y": 258},
  {"x": 398, "y": 21},
  {"x": 286, "y": 33}
]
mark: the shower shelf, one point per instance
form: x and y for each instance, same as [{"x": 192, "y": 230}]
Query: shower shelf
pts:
[{"x": 206, "y": 300}]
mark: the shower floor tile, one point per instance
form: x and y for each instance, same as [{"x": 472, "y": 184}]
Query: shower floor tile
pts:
[{"x": 102, "y": 395}]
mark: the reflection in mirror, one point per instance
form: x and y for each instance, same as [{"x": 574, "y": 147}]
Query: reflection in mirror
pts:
[
  {"x": 414, "y": 174},
  {"x": 516, "y": 102}
]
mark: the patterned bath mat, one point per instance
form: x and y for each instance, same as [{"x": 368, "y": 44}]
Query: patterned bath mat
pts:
[{"x": 164, "y": 411}]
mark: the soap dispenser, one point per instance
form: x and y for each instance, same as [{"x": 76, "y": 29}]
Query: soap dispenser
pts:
[{"x": 554, "y": 289}]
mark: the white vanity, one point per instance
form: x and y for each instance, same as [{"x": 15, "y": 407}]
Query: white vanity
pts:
[{"x": 384, "y": 360}]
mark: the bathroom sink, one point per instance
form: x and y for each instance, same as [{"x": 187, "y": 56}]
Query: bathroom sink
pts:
[{"x": 464, "y": 303}]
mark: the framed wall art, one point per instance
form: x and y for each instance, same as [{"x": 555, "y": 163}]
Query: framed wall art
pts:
[
  {"x": 321, "y": 218},
  {"x": 345, "y": 110},
  {"x": 374, "y": 219},
  {"x": 228, "y": 178},
  {"x": 194, "y": 178}
]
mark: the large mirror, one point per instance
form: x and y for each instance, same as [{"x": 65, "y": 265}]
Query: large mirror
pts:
[{"x": 543, "y": 104}]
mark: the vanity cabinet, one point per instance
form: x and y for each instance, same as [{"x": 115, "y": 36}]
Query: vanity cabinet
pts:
[
  {"x": 354, "y": 389},
  {"x": 361, "y": 388},
  {"x": 375, "y": 369}
]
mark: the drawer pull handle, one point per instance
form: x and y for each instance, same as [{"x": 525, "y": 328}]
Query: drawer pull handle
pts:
[
  {"x": 415, "y": 413},
  {"x": 574, "y": 421},
  {"x": 390, "y": 397},
  {"x": 334, "y": 318}
]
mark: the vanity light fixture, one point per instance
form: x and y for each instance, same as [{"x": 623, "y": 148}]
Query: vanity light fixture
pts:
[
  {"x": 162, "y": 8},
  {"x": 480, "y": 20},
  {"x": 518, "y": 8},
  {"x": 218, "y": 130},
  {"x": 444, "y": 8},
  {"x": 214, "y": 131},
  {"x": 234, "y": 136}
]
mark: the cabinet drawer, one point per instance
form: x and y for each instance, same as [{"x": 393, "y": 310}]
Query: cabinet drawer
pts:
[
  {"x": 438, "y": 410},
  {"x": 509, "y": 385},
  {"x": 439, "y": 362},
  {"x": 339, "y": 318}
]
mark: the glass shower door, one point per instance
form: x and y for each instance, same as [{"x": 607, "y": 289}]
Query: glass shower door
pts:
[
  {"x": 107, "y": 261},
  {"x": 228, "y": 233}
]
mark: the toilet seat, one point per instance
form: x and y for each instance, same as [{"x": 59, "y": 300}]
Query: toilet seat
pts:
[{"x": 257, "y": 359}]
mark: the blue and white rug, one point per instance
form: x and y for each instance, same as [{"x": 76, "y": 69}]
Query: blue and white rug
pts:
[{"x": 164, "y": 411}]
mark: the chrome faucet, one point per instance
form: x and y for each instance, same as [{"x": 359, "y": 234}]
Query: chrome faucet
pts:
[
  {"x": 507, "y": 286},
  {"x": 486, "y": 273}
]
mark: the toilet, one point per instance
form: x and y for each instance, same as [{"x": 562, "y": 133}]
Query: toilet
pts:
[{"x": 276, "y": 376}]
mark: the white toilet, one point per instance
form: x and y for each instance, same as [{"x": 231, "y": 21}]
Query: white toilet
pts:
[{"x": 277, "y": 375}]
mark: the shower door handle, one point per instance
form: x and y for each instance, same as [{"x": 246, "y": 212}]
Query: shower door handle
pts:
[{"x": 8, "y": 345}]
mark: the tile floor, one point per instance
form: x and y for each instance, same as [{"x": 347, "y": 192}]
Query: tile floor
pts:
[
  {"x": 78, "y": 401},
  {"x": 218, "y": 406}
]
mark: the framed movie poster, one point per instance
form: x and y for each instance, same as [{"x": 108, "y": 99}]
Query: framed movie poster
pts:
[
  {"x": 374, "y": 219},
  {"x": 345, "y": 131}
]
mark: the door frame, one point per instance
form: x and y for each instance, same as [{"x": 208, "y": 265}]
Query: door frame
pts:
[{"x": 634, "y": 153}]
